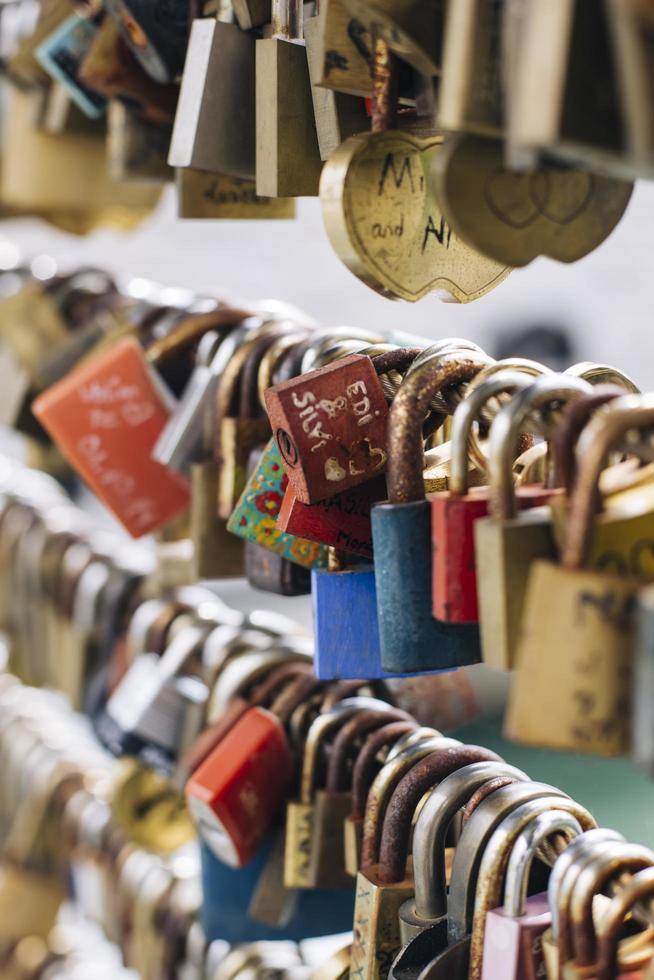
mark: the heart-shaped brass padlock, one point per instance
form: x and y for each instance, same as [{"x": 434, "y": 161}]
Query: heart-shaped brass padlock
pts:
[
  {"x": 513, "y": 217},
  {"x": 385, "y": 223}
]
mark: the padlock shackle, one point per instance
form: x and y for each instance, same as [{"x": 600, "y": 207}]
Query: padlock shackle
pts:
[
  {"x": 597, "y": 374},
  {"x": 382, "y": 789},
  {"x": 253, "y": 344},
  {"x": 303, "y": 688},
  {"x": 505, "y": 432},
  {"x": 523, "y": 853},
  {"x": 472, "y": 844},
  {"x": 602, "y": 866},
  {"x": 366, "y": 762},
  {"x": 430, "y": 832},
  {"x": 407, "y": 414},
  {"x": 320, "y": 728},
  {"x": 579, "y": 847},
  {"x": 466, "y": 414},
  {"x": 190, "y": 327},
  {"x": 323, "y": 340},
  {"x": 274, "y": 358},
  {"x": 573, "y": 420},
  {"x": 363, "y": 722},
  {"x": 398, "y": 819},
  {"x": 419, "y": 734},
  {"x": 603, "y": 432},
  {"x": 495, "y": 859},
  {"x": 640, "y": 887}
]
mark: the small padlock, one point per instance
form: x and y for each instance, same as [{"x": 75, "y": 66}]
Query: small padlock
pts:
[
  {"x": 588, "y": 631},
  {"x": 214, "y": 125},
  {"x": 330, "y": 427},
  {"x": 454, "y": 573},
  {"x": 512, "y": 940},
  {"x": 411, "y": 639},
  {"x": 507, "y": 542},
  {"x": 288, "y": 160}
]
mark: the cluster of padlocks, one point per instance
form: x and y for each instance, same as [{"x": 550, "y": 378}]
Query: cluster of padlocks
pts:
[{"x": 449, "y": 142}]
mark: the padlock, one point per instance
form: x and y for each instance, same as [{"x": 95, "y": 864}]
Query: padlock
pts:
[
  {"x": 376, "y": 931},
  {"x": 512, "y": 940},
  {"x": 595, "y": 873},
  {"x": 630, "y": 28},
  {"x": 214, "y": 125},
  {"x": 423, "y": 918},
  {"x": 221, "y": 790},
  {"x": 333, "y": 804},
  {"x": 588, "y": 690},
  {"x": 338, "y": 115},
  {"x": 156, "y": 32},
  {"x": 330, "y": 427},
  {"x": 61, "y": 54},
  {"x": 411, "y": 639},
  {"x": 559, "y": 890},
  {"x": 571, "y": 818},
  {"x": 415, "y": 35},
  {"x": 454, "y": 574},
  {"x": 300, "y": 865},
  {"x": 288, "y": 160},
  {"x": 98, "y": 409},
  {"x": 507, "y": 542},
  {"x": 254, "y": 517},
  {"x": 367, "y": 763}
]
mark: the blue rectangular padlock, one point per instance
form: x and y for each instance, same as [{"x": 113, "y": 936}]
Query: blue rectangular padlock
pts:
[
  {"x": 346, "y": 625},
  {"x": 410, "y": 638},
  {"x": 227, "y": 894}
]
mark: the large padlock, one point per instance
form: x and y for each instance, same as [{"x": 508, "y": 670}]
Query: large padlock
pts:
[
  {"x": 423, "y": 918},
  {"x": 288, "y": 160},
  {"x": 513, "y": 935},
  {"x": 507, "y": 542},
  {"x": 454, "y": 574},
  {"x": 330, "y": 427},
  {"x": 368, "y": 762},
  {"x": 411, "y": 639},
  {"x": 376, "y": 930},
  {"x": 214, "y": 125},
  {"x": 583, "y": 618}
]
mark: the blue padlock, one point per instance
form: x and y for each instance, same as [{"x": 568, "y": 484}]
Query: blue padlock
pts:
[
  {"x": 227, "y": 895},
  {"x": 410, "y": 638},
  {"x": 346, "y": 625}
]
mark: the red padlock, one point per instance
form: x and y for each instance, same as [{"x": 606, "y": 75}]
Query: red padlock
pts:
[
  {"x": 330, "y": 426},
  {"x": 341, "y": 522},
  {"x": 454, "y": 573},
  {"x": 236, "y": 792},
  {"x": 106, "y": 416}
]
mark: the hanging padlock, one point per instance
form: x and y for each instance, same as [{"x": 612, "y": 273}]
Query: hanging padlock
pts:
[
  {"x": 136, "y": 150},
  {"x": 330, "y": 427},
  {"x": 287, "y": 156},
  {"x": 423, "y": 918},
  {"x": 507, "y": 542},
  {"x": 376, "y": 930},
  {"x": 300, "y": 865},
  {"x": 512, "y": 940},
  {"x": 586, "y": 684},
  {"x": 454, "y": 573},
  {"x": 559, "y": 889},
  {"x": 214, "y": 124},
  {"x": 415, "y": 35},
  {"x": 631, "y": 36},
  {"x": 344, "y": 51},
  {"x": 367, "y": 764},
  {"x": 255, "y": 514},
  {"x": 337, "y": 114},
  {"x": 411, "y": 639},
  {"x": 572, "y": 819}
]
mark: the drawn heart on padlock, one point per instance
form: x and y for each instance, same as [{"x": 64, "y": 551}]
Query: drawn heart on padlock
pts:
[
  {"x": 574, "y": 192},
  {"x": 384, "y": 222},
  {"x": 514, "y": 218},
  {"x": 334, "y": 471},
  {"x": 509, "y": 197}
]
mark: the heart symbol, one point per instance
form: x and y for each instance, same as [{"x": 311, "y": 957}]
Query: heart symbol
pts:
[
  {"x": 383, "y": 220},
  {"x": 508, "y": 197},
  {"x": 334, "y": 471},
  {"x": 561, "y": 195}
]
